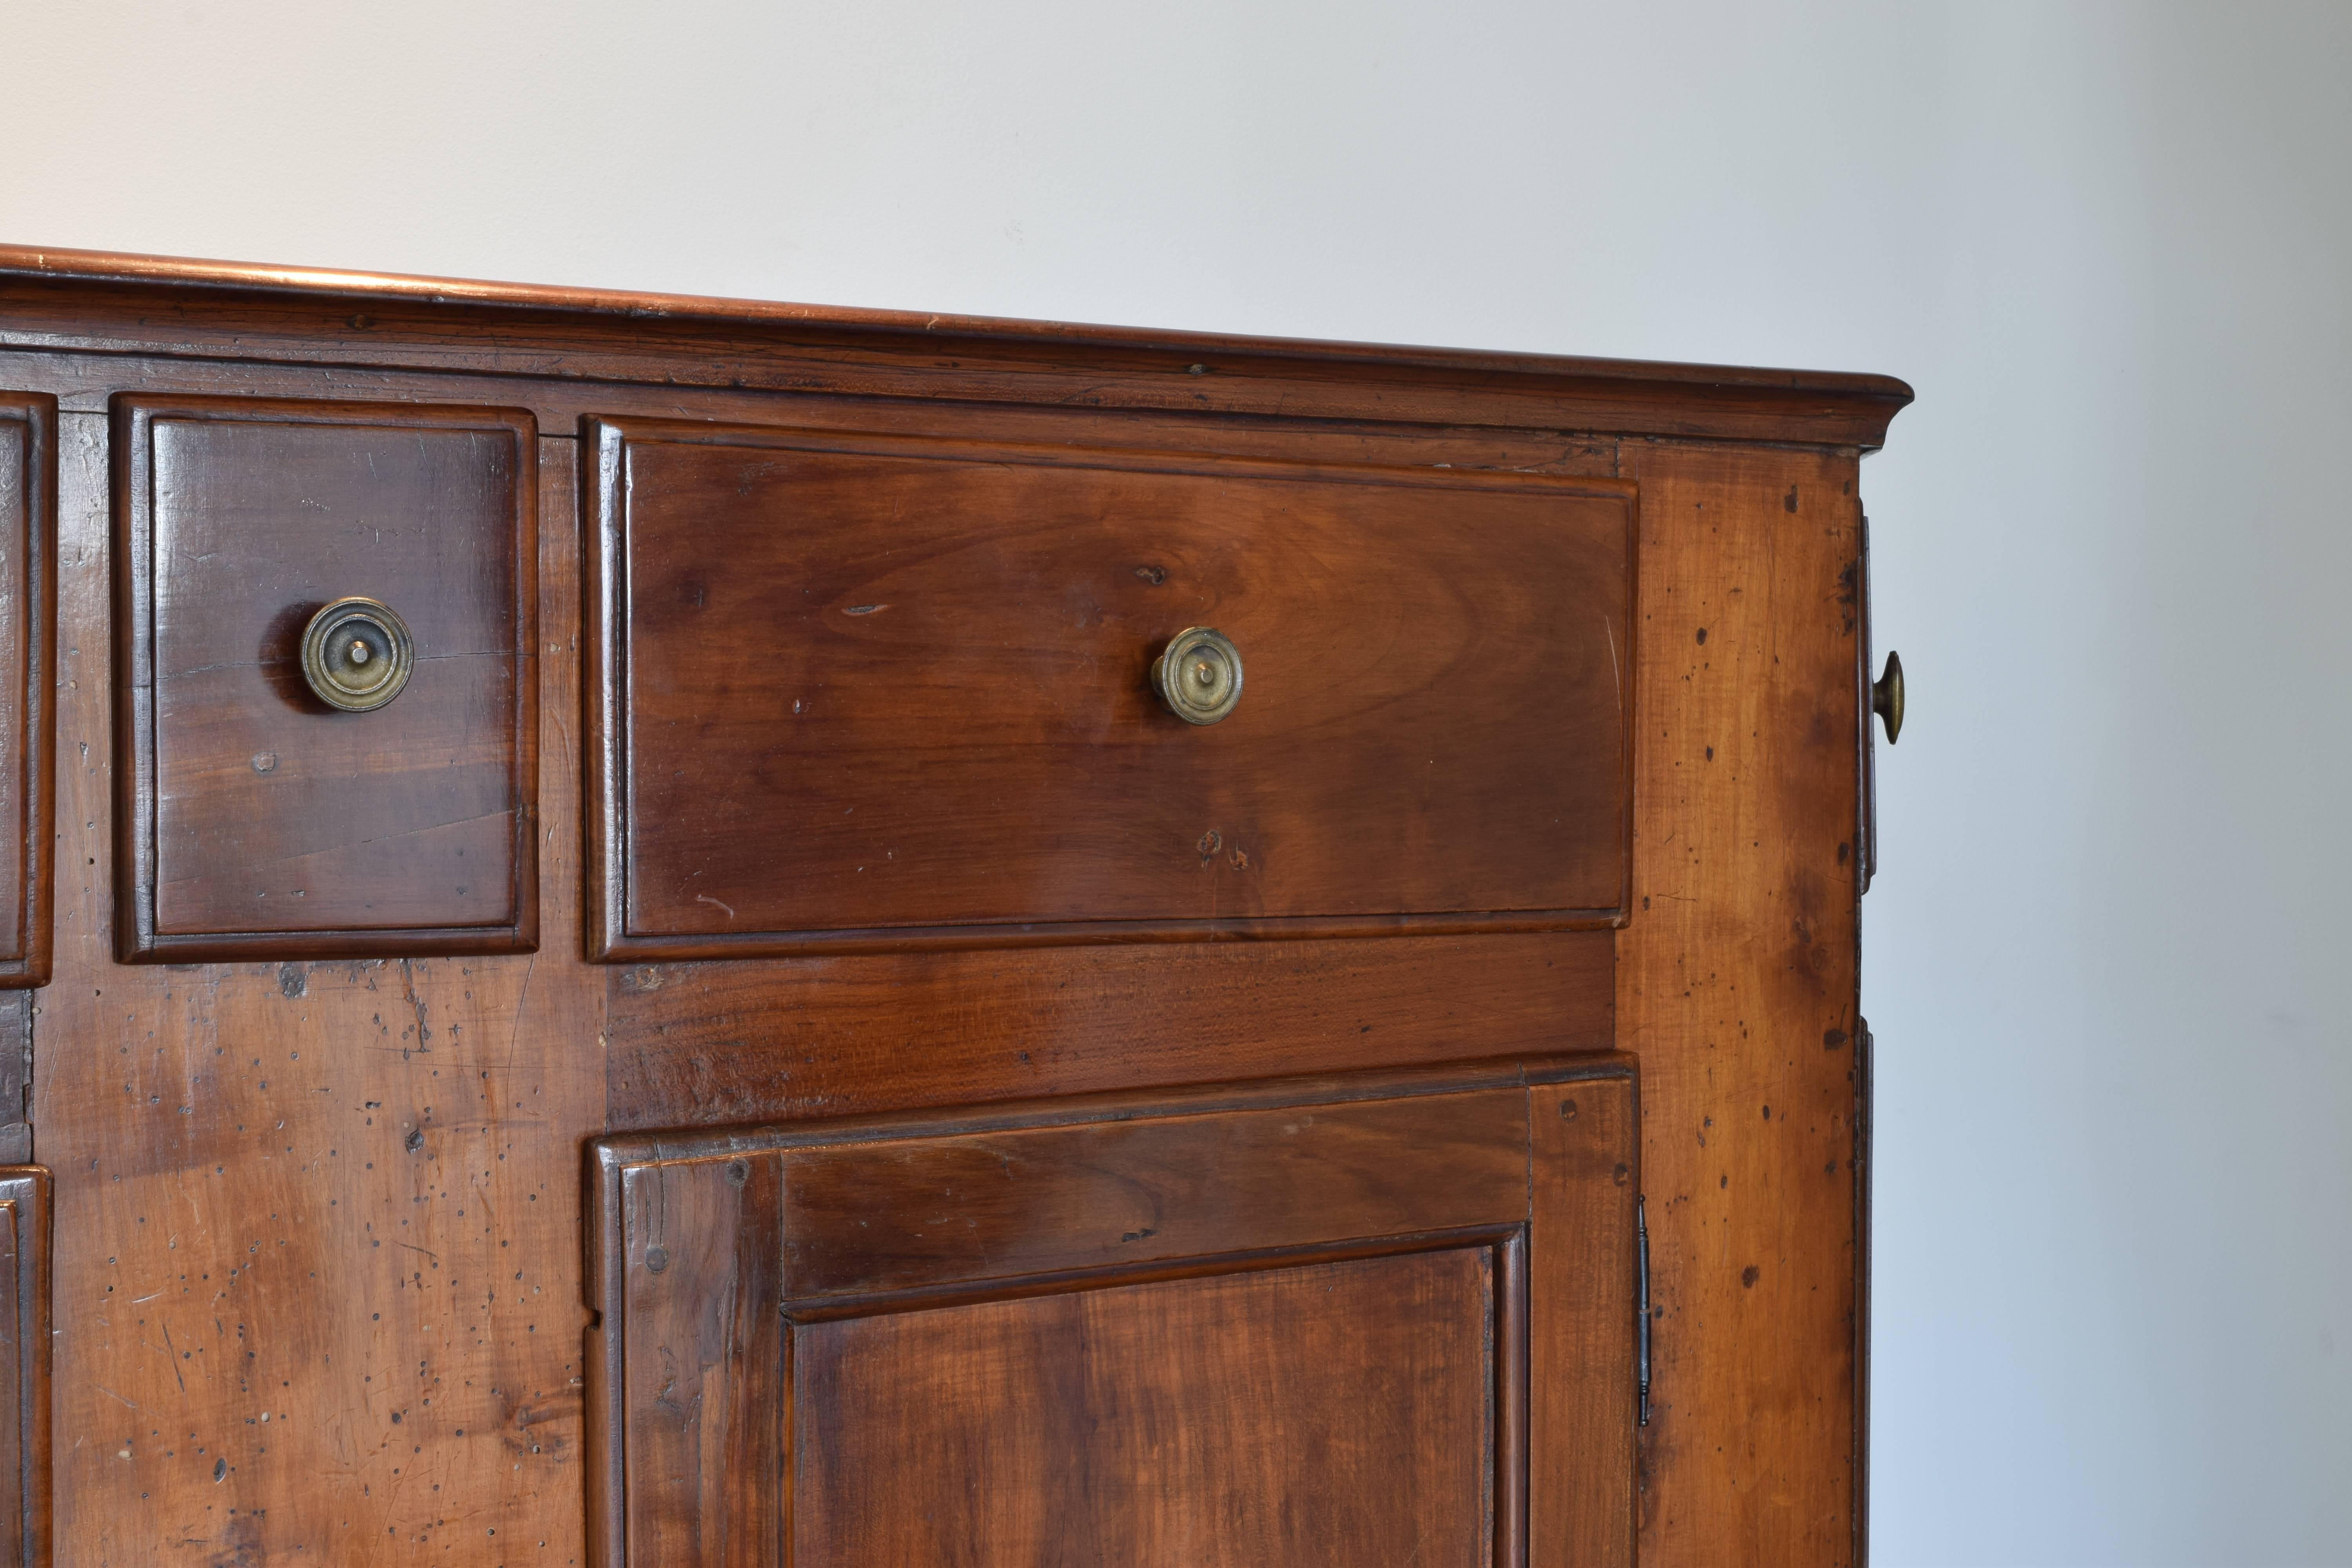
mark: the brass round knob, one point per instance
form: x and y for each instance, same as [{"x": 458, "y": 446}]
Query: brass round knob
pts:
[
  {"x": 1197, "y": 675},
  {"x": 356, "y": 654},
  {"x": 1887, "y": 697}
]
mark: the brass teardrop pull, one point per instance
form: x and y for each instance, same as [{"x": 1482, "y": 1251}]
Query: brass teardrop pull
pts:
[
  {"x": 1197, "y": 675},
  {"x": 1887, "y": 697},
  {"x": 356, "y": 654}
]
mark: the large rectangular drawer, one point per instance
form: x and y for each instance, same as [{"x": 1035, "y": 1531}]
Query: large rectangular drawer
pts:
[{"x": 867, "y": 691}]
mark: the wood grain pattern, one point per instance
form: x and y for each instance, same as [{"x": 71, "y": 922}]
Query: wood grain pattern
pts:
[
  {"x": 233, "y": 1140},
  {"x": 871, "y": 691},
  {"x": 25, "y": 1437},
  {"x": 62, "y": 299},
  {"x": 1587, "y": 1184},
  {"x": 1332, "y": 1414},
  {"x": 343, "y": 1196},
  {"x": 28, "y": 528},
  {"x": 1136, "y": 1266},
  {"x": 254, "y": 820},
  {"x": 709, "y": 1044},
  {"x": 1736, "y": 987}
]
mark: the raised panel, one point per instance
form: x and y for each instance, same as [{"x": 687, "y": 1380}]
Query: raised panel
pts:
[
  {"x": 1296, "y": 1321},
  {"x": 28, "y": 528},
  {"x": 873, "y": 692},
  {"x": 1334, "y": 1414},
  {"x": 253, "y": 818}
]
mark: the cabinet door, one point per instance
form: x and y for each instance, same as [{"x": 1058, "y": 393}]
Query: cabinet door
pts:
[{"x": 1383, "y": 1319}]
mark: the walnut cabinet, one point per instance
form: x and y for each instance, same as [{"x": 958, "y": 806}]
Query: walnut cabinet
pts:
[{"x": 644, "y": 931}]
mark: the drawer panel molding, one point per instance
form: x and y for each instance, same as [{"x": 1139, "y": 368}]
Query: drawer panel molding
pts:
[
  {"x": 256, "y": 818},
  {"x": 872, "y": 692}
]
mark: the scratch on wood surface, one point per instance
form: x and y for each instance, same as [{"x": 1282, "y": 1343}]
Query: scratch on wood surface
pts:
[{"x": 1616, "y": 673}]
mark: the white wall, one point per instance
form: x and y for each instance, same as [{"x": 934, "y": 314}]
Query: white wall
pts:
[{"x": 2107, "y": 243}]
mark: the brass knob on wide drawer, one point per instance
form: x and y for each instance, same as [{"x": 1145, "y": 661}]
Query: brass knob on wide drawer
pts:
[
  {"x": 356, "y": 654},
  {"x": 1197, "y": 675},
  {"x": 1887, "y": 697}
]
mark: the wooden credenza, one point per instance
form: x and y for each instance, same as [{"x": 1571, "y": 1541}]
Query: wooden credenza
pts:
[{"x": 650, "y": 931}]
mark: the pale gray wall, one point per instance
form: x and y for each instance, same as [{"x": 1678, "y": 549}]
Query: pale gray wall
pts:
[{"x": 2108, "y": 243}]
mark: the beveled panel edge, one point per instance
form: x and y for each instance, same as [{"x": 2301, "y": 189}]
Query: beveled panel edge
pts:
[
  {"x": 131, "y": 500},
  {"x": 34, "y": 537},
  {"x": 166, "y": 304},
  {"x": 608, "y": 1155},
  {"x": 845, "y": 943},
  {"x": 604, "y": 441},
  {"x": 25, "y": 1433}
]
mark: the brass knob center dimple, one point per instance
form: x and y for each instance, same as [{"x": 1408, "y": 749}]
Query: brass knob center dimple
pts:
[
  {"x": 1197, "y": 675},
  {"x": 356, "y": 654}
]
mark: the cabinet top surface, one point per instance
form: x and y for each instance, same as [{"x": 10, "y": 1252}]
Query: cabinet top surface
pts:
[{"x": 1703, "y": 400}]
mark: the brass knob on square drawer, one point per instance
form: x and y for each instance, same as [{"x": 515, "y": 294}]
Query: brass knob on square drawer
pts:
[
  {"x": 356, "y": 654},
  {"x": 1887, "y": 697},
  {"x": 1197, "y": 675}
]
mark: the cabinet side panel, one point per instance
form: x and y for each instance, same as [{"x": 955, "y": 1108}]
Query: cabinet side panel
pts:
[{"x": 1735, "y": 985}]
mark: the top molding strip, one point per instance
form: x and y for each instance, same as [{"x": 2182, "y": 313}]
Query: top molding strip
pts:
[{"x": 97, "y": 301}]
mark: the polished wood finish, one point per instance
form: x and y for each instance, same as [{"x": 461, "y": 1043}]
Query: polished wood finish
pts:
[
  {"x": 1286, "y": 1322},
  {"x": 254, "y": 819},
  {"x": 1316, "y": 1414},
  {"x": 708, "y": 1044},
  {"x": 859, "y": 692},
  {"x": 329, "y": 1192},
  {"x": 25, "y": 1458},
  {"x": 28, "y": 531}
]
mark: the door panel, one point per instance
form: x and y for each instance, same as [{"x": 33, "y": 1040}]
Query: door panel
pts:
[{"x": 1376, "y": 1318}]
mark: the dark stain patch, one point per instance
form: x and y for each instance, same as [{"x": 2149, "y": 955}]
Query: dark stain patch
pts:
[
  {"x": 1844, "y": 852},
  {"x": 1702, "y": 636},
  {"x": 1749, "y": 1276},
  {"x": 1789, "y": 501},
  {"x": 293, "y": 981},
  {"x": 1710, "y": 754},
  {"x": 1155, "y": 575},
  {"x": 1833, "y": 1039},
  {"x": 1621, "y": 1173},
  {"x": 1767, "y": 1113}
]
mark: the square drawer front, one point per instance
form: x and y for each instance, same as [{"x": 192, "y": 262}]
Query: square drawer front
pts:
[
  {"x": 255, "y": 818},
  {"x": 863, "y": 692}
]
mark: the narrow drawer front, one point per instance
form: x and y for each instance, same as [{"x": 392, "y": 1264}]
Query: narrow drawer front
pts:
[{"x": 860, "y": 691}]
